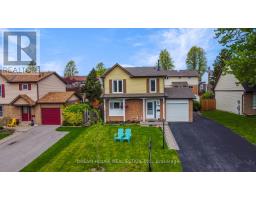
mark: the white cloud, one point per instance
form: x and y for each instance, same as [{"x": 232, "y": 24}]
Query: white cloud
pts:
[
  {"x": 53, "y": 66},
  {"x": 127, "y": 65},
  {"x": 177, "y": 42}
]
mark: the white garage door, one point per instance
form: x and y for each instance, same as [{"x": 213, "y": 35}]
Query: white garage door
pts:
[{"x": 177, "y": 110}]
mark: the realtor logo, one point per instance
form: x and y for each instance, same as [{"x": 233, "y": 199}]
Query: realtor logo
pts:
[{"x": 20, "y": 47}]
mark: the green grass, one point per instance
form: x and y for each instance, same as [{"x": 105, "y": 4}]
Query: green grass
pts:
[
  {"x": 93, "y": 149},
  {"x": 243, "y": 125},
  {"x": 4, "y": 133}
]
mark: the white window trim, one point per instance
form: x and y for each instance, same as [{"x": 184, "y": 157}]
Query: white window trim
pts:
[
  {"x": 118, "y": 86},
  {"x": 116, "y": 112},
  {"x": 2, "y": 112},
  {"x": 23, "y": 86},
  {"x": 150, "y": 85},
  {"x": 253, "y": 97}
]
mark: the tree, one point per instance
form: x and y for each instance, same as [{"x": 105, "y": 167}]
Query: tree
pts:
[
  {"x": 31, "y": 67},
  {"x": 241, "y": 44},
  {"x": 70, "y": 69},
  {"x": 219, "y": 64},
  {"x": 92, "y": 87},
  {"x": 196, "y": 60},
  {"x": 100, "y": 69},
  {"x": 165, "y": 60}
]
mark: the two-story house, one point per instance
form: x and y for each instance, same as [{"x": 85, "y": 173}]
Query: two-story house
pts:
[
  {"x": 38, "y": 96},
  {"x": 139, "y": 94}
]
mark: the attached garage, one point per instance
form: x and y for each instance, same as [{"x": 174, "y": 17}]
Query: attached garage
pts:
[
  {"x": 51, "y": 116},
  {"x": 177, "y": 110},
  {"x": 179, "y": 104}
]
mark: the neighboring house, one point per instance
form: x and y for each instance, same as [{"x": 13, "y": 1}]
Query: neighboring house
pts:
[
  {"x": 36, "y": 96},
  {"x": 203, "y": 86},
  {"x": 234, "y": 97},
  {"x": 140, "y": 94},
  {"x": 75, "y": 83}
]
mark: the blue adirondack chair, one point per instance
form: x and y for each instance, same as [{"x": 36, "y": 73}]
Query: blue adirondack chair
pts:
[
  {"x": 128, "y": 135},
  {"x": 120, "y": 135}
]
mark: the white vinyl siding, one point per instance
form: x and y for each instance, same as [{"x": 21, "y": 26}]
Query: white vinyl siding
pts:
[
  {"x": 228, "y": 101},
  {"x": 117, "y": 86},
  {"x": 116, "y": 108}
]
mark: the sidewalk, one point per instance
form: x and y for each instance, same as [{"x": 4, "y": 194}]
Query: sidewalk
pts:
[{"x": 169, "y": 138}]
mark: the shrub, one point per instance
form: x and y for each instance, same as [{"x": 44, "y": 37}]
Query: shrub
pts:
[
  {"x": 196, "y": 105},
  {"x": 73, "y": 114},
  {"x": 208, "y": 95}
]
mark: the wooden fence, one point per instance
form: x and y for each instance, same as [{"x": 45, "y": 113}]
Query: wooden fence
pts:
[{"x": 208, "y": 104}]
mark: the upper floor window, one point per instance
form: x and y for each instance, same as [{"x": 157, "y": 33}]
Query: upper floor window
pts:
[
  {"x": 0, "y": 90},
  {"x": 152, "y": 85},
  {"x": 24, "y": 86},
  {"x": 117, "y": 86},
  {"x": 254, "y": 101}
]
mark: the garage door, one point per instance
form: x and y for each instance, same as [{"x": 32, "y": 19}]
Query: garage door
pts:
[
  {"x": 51, "y": 116},
  {"x": 177, "y": 110}
]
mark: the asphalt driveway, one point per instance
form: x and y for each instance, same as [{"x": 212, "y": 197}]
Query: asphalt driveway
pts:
[
  {"x": 208, "y": 146},
  {"x": 18, "y": 151}
]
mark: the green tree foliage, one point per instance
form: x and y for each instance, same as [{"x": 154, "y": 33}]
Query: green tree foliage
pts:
[
  {"x": 100, "y": 69},
  {"x": 196, "y": 60},
  {"x": 165, "y": 60},
  {"x": 219, "y": 64},
  {"x": 241, "y": 44},
  {"x": 92, "y": 88},
  {"x": 31, "y": 68},
  {"x": 70, "y": 69}
]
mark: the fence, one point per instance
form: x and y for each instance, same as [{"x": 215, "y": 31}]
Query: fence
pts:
[{"x": 208, "y": 104}]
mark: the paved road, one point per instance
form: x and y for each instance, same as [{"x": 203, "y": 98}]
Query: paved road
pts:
[
  {"x": 208, "y": 146},
  {"x": 17, "y": 152}
]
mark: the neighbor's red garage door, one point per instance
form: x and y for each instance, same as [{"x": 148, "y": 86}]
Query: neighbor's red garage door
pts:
[{"x": 51, "y": 116}]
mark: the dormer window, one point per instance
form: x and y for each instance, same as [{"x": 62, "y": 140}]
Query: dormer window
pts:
[
  {"x": 152, "y": 85},
  {"x": 117, "y": 86}
]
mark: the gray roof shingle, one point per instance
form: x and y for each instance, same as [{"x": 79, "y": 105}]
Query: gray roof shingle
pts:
[{"x": 179, "y": 93}]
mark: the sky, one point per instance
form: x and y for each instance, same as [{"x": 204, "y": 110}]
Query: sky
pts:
[{"x": 128, "y": 47}]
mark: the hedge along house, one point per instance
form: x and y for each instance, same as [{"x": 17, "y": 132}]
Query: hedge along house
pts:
[
  {"x": 139, "y": 94},
  {"x": 38, "y": 96}
]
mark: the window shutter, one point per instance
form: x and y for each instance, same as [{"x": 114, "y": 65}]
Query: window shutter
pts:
[
  {"x": 110, "y": 86},
  {"x": 158, "y": 85},
  {"x": 3, "y": 91},
  {"x": 147, "y": 85},
  {"x": 29, "y": 86},
  {"x": 20, "y": 86},
  {"x": 124, "y": 85}
]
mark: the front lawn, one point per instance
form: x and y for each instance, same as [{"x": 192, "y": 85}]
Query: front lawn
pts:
[
  {"x": 242, "y": 125},
  {"x": 93, "y": 149},
  {"x": 4, "y": 133}
]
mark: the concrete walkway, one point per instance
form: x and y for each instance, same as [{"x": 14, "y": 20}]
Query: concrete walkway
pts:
[
  {"x": 19, "y": 149},
  {"x": 169, "y": 138}
]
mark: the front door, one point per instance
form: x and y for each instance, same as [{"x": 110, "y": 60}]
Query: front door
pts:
[
  {"x": 26, "y": 113},
  {"x": 150, "y": 110}
]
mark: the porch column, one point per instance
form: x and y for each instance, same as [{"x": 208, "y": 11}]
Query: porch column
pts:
[
  {"x": 124, "y": 109},
  {"x": 164, "y": 108},
  {"x": 105, "y": 118},
  {"x": 144, "y": 116}
]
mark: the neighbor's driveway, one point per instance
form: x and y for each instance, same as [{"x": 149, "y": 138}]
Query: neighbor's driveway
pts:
[
  {"x": 17, "y": 152},
  {"x": 208, "y": 146}
]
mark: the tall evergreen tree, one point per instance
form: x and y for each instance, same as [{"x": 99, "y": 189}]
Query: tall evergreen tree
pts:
[
  {"x": 31, "y": 68},
  {"x": 100, "y": 69},
  {"x": 219, "y": 64},
  {"x": 196, "y": 60},
  {"x": 70, "y": 69},
  {"x": 165, "y": 60},
  {"x": 92, "y": 88}
]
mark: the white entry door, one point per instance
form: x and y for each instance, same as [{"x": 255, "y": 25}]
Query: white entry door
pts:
[
  {"x": 150, "y": 109},
  {"x": 177, "y": 110}
]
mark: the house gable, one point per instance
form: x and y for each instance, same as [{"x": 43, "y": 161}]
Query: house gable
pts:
[{"x": 228, "y": 82}]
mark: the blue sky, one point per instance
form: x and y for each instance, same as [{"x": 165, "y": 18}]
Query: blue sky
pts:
[{"x": 128, "y": 47}]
